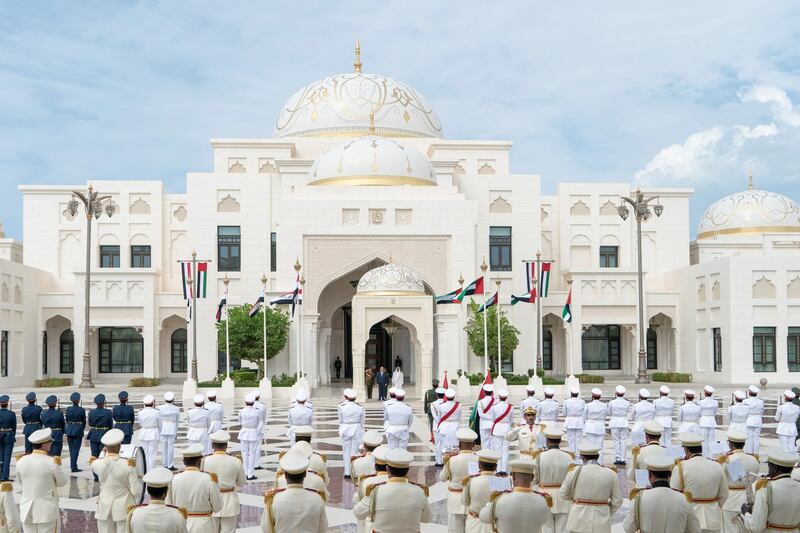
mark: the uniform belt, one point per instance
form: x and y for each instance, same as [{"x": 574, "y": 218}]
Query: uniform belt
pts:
[
  {"x": 473, "y": 514},
  {"x": 780, "y": 527},
  {"x": 737, "y": 488},
  {"x": 705, "y": 500},
  {"x": 125, "y": 422},
  {"x": 33, "y": 423},
  {"x": 207, "y": 513},
  {"x": 227, "y": 490},
  {"x": 550, "y": 485},
  {"x": 98, "y": 427},
  {"x": 6, "y": 430},
  {"x": 71, "y": 422},
  {"x": 454, "y": 490},
  {"x": 591, "y": 502}
]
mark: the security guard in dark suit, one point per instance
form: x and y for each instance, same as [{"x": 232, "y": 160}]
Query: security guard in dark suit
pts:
[
  {"x": 8, "y": 431},
  {"x": 76, "y": 423},
  {"x": 123, "y": 417},
  {"x": 100, "y": 421},
  {"x": 32, "y": 418},
  {"x": 53, "y": 418}
]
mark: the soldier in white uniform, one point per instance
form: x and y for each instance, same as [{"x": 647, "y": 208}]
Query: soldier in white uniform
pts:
[
  {"x": 150, "y": 430},
  {"x": 317, "y": 462},
  {"x": 170, "y": 416},
  {"x": 455, "y": 471},
  {"x": 704, "y": 480},
  {"x": 530, "y": 400},
  {"x": 708, "y": 419},
  {"x": 120, "y": 486},
  {"x": 9, "y": 512},
  {"x": 618, "y": 410},
  {"x": 197, "y": 492},
  {"x": 777, "y": 499},
  {"x": 594, "y": 422},
  {"x": 547, "y": 413},
  {"x": 737, "y": 488},
  {"x": 574, "y": 410},
  {"x": 230, "y": 476},
  {"x": 689, "y": 414},
  {"x": 659, "y": 509},
  {"x": 738, "y": 412},
  {"x": 156, "y": 516},
  {"x": 502, "y": 419},
  {"x": 641, "y": 412},
  {"x": 640, "y": 454},
  {"x": 249, "y": 435},
  {"x": 449, "y": 420},
  {"x": 364, "y": 464},
  {"x": 261, "y": 407},
  {"x": 522, "y": 509},
  {"x": 786, "y": 417},
  {"x": 436, "y": 414},
  {"x": 399, "y": 417},
  {"x": 216, "y": 412},
  {"x": 754, "y": 420},
  {"x": 485, "y": 405},
  {"x": 594, "y": 492},
  {"x": 40, "y": 475},
  {"x": 295, "y": 508},
  {"x": 300, "y": 414},
  {"x": 526, "y": 433},
  {"x": 477, "y": 491},
  {"x": 552, "y": 466},
  {"x": 351, "y": 428},
  {"x": 664, "y": 407},
  {"x": 198, "y": 420}
]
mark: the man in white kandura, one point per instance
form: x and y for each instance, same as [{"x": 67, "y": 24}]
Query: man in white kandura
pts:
[
  {"x": 216, "y": 412},
  {"x": 574, "y": 409},
  {"x": 786, "y": 417},
  {"x": 664, "y": 407},
  {"x": 399, "y": 417},
  {"x": 198, "y": 420},
  {"x": 230, "y": 476},
  {"x": 641, "y": 412},
  {"x": 170, "y": 416},
  {"x": 150, "y": 430},
  {"x": 754, "y": 420},
  {"x": 594, "y": 422},
  {"x": 547, "y": 414},
  {"x": 503, "y": 418},
  {"x": 300, "y": 414},
  {"x": 449, "y": 420},
  {"x": 351, "y": 428},
  {"x": 249, "y": 436},
  {"x": 708, "y": 419},
  {"x": 618, "y": 411},
  {"x": 40, "y": 476},
  {"x": 120, "y": 486}
]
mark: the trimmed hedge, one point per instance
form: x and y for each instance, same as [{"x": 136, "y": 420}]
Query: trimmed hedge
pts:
[
  {"x": 143, "y": 382},
  {"x": 590, "y": 378},
  {"x": 53, "y": 382},
  {"x": 672, "y": 377}
]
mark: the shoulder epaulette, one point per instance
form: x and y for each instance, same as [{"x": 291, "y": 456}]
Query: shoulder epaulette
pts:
[
  {"x": 446, "y": 459},
  {"x": 547, "y": 498},
  {"x": 356, "y": 457},
  {"x": 611, "y": 467},
  {"x": 131, "y": 462},
  {"x": 270, "y": 495},
  {"x": 635, "y": 450},
  {"x": 423, "y": 487},
  {"x": 634, "y": 493},
  {"x": 366, "y": 476},
  {"x": 722, "y": 459},
  {"x": 496, "y": 494},
  {"x": 131, "y": 508},
  {"x": 21, "y": 455},
  {"x": 238, "y": 457},
  {"x": 761, "y": 483},
  {"x": 6, "y": 486},
  {"x": 571, "y": 467},
  {"x": 318, "y": 492},
  {"x": 467, "y": 478},
  {"x": 214, "y": 477},
  {"x": 57, "y": 460},
  {"x": 372, "y": 487},
  {"x": 281, "y": 454},
  {"x": 323, "y": 457},
  {"x": 688, "y": 495}
]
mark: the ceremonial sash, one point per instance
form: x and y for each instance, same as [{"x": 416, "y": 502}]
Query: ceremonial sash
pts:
[
  {"x": 491, "y": 403},
  {"x": 501, "y": 417},
  {"x": 447, "y": 415}
]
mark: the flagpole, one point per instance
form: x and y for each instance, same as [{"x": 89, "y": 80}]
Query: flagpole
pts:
[
  {"x": 302, "y": 319},
  {"x": 297, "y": 270},
  {"x": 227, "y": 331},
  {"x": 194, "y": 318},
  {"x": 264, "y": 312},
  {"x": 497, "y": 314},
  {"x": 484, "y": 266},
  {"x": 539, "y": 344}
]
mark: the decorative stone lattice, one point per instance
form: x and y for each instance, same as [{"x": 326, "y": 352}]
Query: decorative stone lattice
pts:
[
  {"x": 701, "y": 292},
  {"x": 608, "y": 209},
  {"x": 715, "y": 290},
  {"x": 485, "y": 168},
  {"x": 402, "y": 217},
  {"x": 236, "y": 166},
  {"x": 793, "y": 288},
  {"x": 139, "y": 207},
  {"x": 180, "y": 213},
  {"x": 500, "y": 205},
  {"x": 763, "y": 288},
  {"x": 228, "y": 204},
  {"x": 460, "y": 168},
  {"x": 267, "y": 166},
  {"x": 580, "y": 209},
  {"x": 376, "y": 216},
  {"x": 391, "y": 278},
  {"x": 350, "y": 217}
]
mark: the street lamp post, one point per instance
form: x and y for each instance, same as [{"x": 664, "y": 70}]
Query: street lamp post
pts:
[
  {"x": 641, "y": 210},
  {"x": 264, "y": 317},
  {"x": 93, "y": 205},
  {"x": 499, "y": 346},
  {"x": 484, "y": 266}
]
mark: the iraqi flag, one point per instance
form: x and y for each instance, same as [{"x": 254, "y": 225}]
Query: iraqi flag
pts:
[
  {"x": 489, "y": 303},
  {"x": 476, "y": 287},
  {"x": 544, "y": 280},
  {"x": 297, "y": 295},
  {"x": 256, "y": 306},
  {"x": 186, "y": 275},
  {"x": 223, "y": 304},
  {"x": 202, "y": 280},
  {"x": 527, "y": 298},
  {"x": 284, "y": 299},
  {"x": 566, "y": 313},
  {"x": 530, "y": 275},
  {"x": 449, "y": 298},
  {"x": 474, "y": 419}
]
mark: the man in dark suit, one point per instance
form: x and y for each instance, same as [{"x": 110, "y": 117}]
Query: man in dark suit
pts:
[
  {"x": 8, "y": 430},
  {"x": 76, "y": 423},
  {"x": 382, "y": 379},
  {"x": 337, "y": 365},
  {"x": 123, "y": 417},
  {"x": 53, "y": 418},
  {"x": 32, "y": 418}
]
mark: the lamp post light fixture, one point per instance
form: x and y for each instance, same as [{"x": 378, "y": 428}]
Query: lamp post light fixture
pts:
[
  {"x": 94, "y": 205},
  {"x": 641, "y": 210}
]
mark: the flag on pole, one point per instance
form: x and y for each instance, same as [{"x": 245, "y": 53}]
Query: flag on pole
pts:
[
  {"x": 202, "y": 279},
  {"x": 284, "y": 299},
  {"x": 476, "y": 287},
  {"x": 566, "y": 314},
  {"x": 530, "y": 275},
  {"x": 223, "y": 304},
  {"x": 527, "y": 298},
  {"x": 445, "y": 379},
  {"x": 544, "y": 280},
  {"x": 474, "y": 419},
  {"x": 256, "y": 306},
  {"x": 186, "y": 275},
  {"x": 489, "y": 303},
  {"x": 449, "y": 298},
  {"x": 297, "y": 295},
  {"x": 189, "y": 307}
]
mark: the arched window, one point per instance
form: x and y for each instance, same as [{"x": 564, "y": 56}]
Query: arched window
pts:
[
  {"x": 652, "y": 349},
  {"x": 67, "y": 352},
  {"x": 44, "y": 353},
  {"x": 178, "y": 350},
  {"x": 547, "y": 349}
]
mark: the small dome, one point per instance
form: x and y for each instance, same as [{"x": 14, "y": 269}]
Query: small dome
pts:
[
  {"x": 372, "y": 160},
  {"x": 750, "y": 212},
  {"x": 391, "y": 279}
]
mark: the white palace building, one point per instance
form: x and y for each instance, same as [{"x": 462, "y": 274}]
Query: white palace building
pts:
[{"x": 384, "y": 212}]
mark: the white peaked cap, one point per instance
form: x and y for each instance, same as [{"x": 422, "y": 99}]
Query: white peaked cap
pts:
[
  {"x": 373, "y": 438},
  {"x": 350, "y": 394},
  {"x": 220, "y": 436},
  {"x": 301, "y": 395},
  {"x": 158, "y": 477},
  {"x": 753, "y": 389},
  {"x": 147, "y": 400},
  {"x": 574, "y": 390},
  {"x": 644, "y": 393},
  {"x": 439, "y": 390},
  {"x": 169, "y": 396},
  {"x": 739, "y": 395},
  {"x": 40, "y": 436},
  {"x": 199, "y": 398},
  {"x": 294, "y": 462},
  {"x": 548, "y": 391},
  {"x": 466, "y": 435},
  {"x": 400, "y": 393},
  {"x": 379, "y": 453},
  {"x": 789, "y": 394},
  {"x": 392, "y": 390},
  {"x": 303, "y": 431},
  {"x": 586, "y": 447},
  {"x": 503, "y": 393},
  {"x": 303, "y": 447},
  {"x": 688, "y": 392},
  {"x": 399, "y": 458},
  {"x": 450, "y": 394},
  {"x": 531, "y": 388},
  {"x": 112, "y": 437},
  {"x": 709, "y": 389},
  {"x": 193, "y": 450},
  {"x": 249, "y": 398},
  {"x": 619, "y": 389},
  {"x": 664, "y": 389},
  {"x": 488, "y": 387},
  {"x": 211, "y": 394},
  {"x": 596, "y": 392}
]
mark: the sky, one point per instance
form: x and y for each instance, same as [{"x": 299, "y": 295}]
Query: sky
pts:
[{"x": 678, "y": 94}]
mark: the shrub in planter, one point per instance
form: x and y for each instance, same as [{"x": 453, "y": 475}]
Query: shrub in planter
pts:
[
  {"x": 672, "y": 377},
  {"x": 284, "y": 380},
  {"x": 53, "y": 382},
  {"x": 143, "y": 382},
  {"x": 590, "y": 378},
  {"x": 547, "y": 380},
  {"x": 540, "y": 373},
  {"x": 531, "y": 372}
]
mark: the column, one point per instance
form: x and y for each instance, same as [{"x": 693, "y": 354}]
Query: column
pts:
[
  {"x": 358, "y": 371},
  {"x": 425, "y": 371},
  {"x": 325, "y": 355}
]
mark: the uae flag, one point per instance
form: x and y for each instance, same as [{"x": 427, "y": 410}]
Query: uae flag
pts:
[
  {"x": 489, "y": 303},
  {"x": 544, "y": 280},
  {"x": 476, "y": 287},
  {"x": 256, "y": 306},
  {"x": 474, "y": 419},
  {"x": 449, "y": 298},
  {"x": 527, "y": 298},
  {"x": 566, "y": 313},
  {"x": 202, "y": 279}
]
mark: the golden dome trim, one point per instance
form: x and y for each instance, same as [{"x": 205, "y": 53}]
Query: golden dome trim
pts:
[
  {"x": 377, "y": 180},
  {"x": 753, "y": 230},
  {"x": 394, "y": 293},
  {"x": 350, "y": 133}
]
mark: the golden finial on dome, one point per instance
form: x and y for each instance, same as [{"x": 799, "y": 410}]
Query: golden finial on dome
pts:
[
  {"x": 357, "y": 64},
  {"x": 750, "y": 181},
  {"x": 372, "y": 122}
]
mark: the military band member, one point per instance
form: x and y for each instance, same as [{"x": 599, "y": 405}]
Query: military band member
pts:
[
  {"x": 230, "y": 476},
  {"x": 786, "y": 416},
  {"x": 381, "y": 476},
  {"x": 150, "y": 430},
  {"x": 754, "y": 420},
  {"x": 455, "y": 471},
  {"x": 449, "y": 420},
  {"x": 502, "y": 420},
  {"x": 664, "y": 407},
  {"x": 295, "y": 508},
  {"x": 249, "y": 435},
  {"x": 641, "y": 412},
  {"x": 197, "y": 492},
  {"x": 777, "y": 499},
  {"x": 8, "y": 431},
  {"x": 738, "y": 413},
  {"x": 198, "y": 420},
  {"x": 594, "y": 492},
  {"x": 9, "y": 513},
  {"x": 364, "y": 464},
  {"x": 123, "y": 416},
  {"x": 300, "y": 414},
  {"x": 216, "y": 412},
  {"x": 660, "y": 509},
  {"x": 317, "y": 462},
  {"x": 689, "y": 414},
  {"x": 399, "y": 417},
  {"x": 737, "y": 488},
  {"x": 618, "y": 411},
  {"x": 100, "y": 421},
  {"x": 485, "y": 405},
  {"x": 708, "y": 419},
  {"x": 530, "y": 400},
  {"x": 526, "y": 433},
  {"x": 594, "y": 422},
  {"x": 704, "y": 480},
  {"x": 351, "y": 428},
  {"x": 574, "y": 409},
  {"x": 437, "y": 413},
  {"x": 314, "y": 479},
  {"x": 522, "y": 509},
  {"x": 651, "y": 448},
  {"x": 120, "y": 486},
  {"x": 170, "y": 417},
  {"x": 547, "y": 413},
  {"x": 53, "y": 418},
  {"x": 31, "y": 416},
  {"x": 156, "y": 516},
  {"x": 397, "y": 505},
  {"x": 552, "y": 466},
  {"x": 75, "y": 417},
  {"x": 40, "y": 476},
  {"x": 477, "y": 491}
]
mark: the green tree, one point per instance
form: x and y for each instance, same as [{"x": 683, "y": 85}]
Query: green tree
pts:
[
  {"x": 247, "y": 334},
  {"x": 509, "y": 335}
]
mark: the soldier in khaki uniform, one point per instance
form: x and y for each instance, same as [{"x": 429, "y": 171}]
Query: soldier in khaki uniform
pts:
[
  {"x": 477, "y": 492},
  {"x": 40, "y": 475},
  {"x": 380, "y": 476},
  {"x": 230, "y": 475},
  {"x": 521, "y": 510},
  {"x": 9, "y": 513},
  {"x": 777, "y": 502},
  {"x": 313, "y": 480},
  {"x": 552, "y": 466},
  {"x": 737, "y": 495},
  {"x": 704, "y": 480},
  {"x": 456, "y": 469},
  {"x": 295, "y": 509},
  {"x": 364, "y": 465},
  {"x": 526, "y": 433},
  {"x": 594, "y": 492},
  {"x": 652, "y": 447},
  {"x": 120, "y": 486},
  {"x": 197, "y": 492},
  {"x": 156, "y": 516},
  {"x": 659, "y": 509},
  {"x": 397, "y": 506}
]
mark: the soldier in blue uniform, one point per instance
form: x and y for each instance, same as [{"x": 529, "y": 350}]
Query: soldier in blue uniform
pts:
[
  {"x": 100, "y": 421},
  {"x": 32, "y": 417},
  {"x": 8, "y": 430},
  {"x": 76, "y": 423},
  {"x": 123, "y": 417},
  {"x": 53, "y": 418}
]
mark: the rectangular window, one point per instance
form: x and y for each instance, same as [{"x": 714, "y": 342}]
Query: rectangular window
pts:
[
  {"x": 109, "y": 256},
  {"x": 601, "y": 348},
  {"x": 652, "y": 349},
  {"x": 179, "y": 353},
  {"x": 229, "y": 248},
  {"x": 4, "y": 353},
  {"x": 717, "y": 349},
  {"x": 121, "y": 351},
  {"x": 66, "y": 352},
  {"x": 609, "y": 256},
  {"x": 44, "y": 353},
  {"x": 764, "y": 349},
  {"x": 140, "y": 256},
  {"x": 793, "y": 348},
  {"x": 500, "y": 248},
  {"x": 547, "y": 349},
  {"x": 273, "y": 252}
]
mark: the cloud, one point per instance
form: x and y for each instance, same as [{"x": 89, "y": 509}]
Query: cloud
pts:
[
  {"x": 683, "y": 161},
  {"x": 780, "y": 104}
]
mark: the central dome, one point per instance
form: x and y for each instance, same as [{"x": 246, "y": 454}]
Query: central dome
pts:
[
  {"x": 390, "y": 280},
  {"x": 750, "y": 212}
]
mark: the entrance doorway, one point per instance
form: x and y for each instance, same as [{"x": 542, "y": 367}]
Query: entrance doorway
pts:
[{"x": 378, "y": 350}]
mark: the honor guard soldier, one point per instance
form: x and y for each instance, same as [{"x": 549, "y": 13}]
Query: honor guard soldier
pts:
[
  {"x": 526, "y": 433},
  {"x": 449, "y": 421},
  {"x": 485, "y": 405},
  {"x": 618, "y": 411},
  {"x": 397, "y": 505},
  {"x": 708, "y": 419},
  {"x": 123, "y": 417},
  {"x": 552, "y": 467},
  {"x": 738, "y": 413},
  {"x": 216, "y": 412},
  {"x": 574, "y": 409},
  {"x": 754, "y": 420},
  {"x": 477, "y": 491},
  {"x": 521, "y": 510},
  {"x": 530, "y": 400},
  {"x": 455, "y": 471},
  {"x": 197, "y": 492},
  {"x": 640, "y": 454},
  {"x": 31, "y": 416},
  {"x": 786, "y": 416},
  {"x": 9, "y": 513},
  {"x": 40, "y": 477},
  {"x": 689, "y": 414},
  {"x": 547, "y": 413},
  {"x": 317, "y": 462},
  {"x": 399, "y": 417},
  {"x": 294, "y": 508},
  {"x": 502, "y": 419},
  {"x": 364, "y": 465},
  {"x": 381, "y": 476},
  {"x": 314, "y": 472},
  {"x": 230, "y": 476},
  {"x": 8, "y": 431},
  {"x": 737, "y": 495},
  {"x": 300, "y": 414},
  {"x": 641, "y": 412},
  {"x": 120, "y": 486},
  {"x": 250, "y": 421},
  {"x": 594, "y": 422},
  {"x": 150, "y": 432},
  {"x": 261, "y": 407},
  {"x": 156, "y": 516},
  {"x": 170, "y": 417},
  {"x": 53, "y": 418},
  {"x": 702, "y": 479},
  {"x": 664, "y": 406},
  {"x": 660, "y": 509},
  {"x": 594, "y": 492},
  {"x": 436, "y": 437},
  {"x": 100, "y": 421},
  {"x": 777, "y": 499},
  {"x": 76, "y": 424},
  {"x": 351, "y": 428},
  {"x": 198, "y": 420}
]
